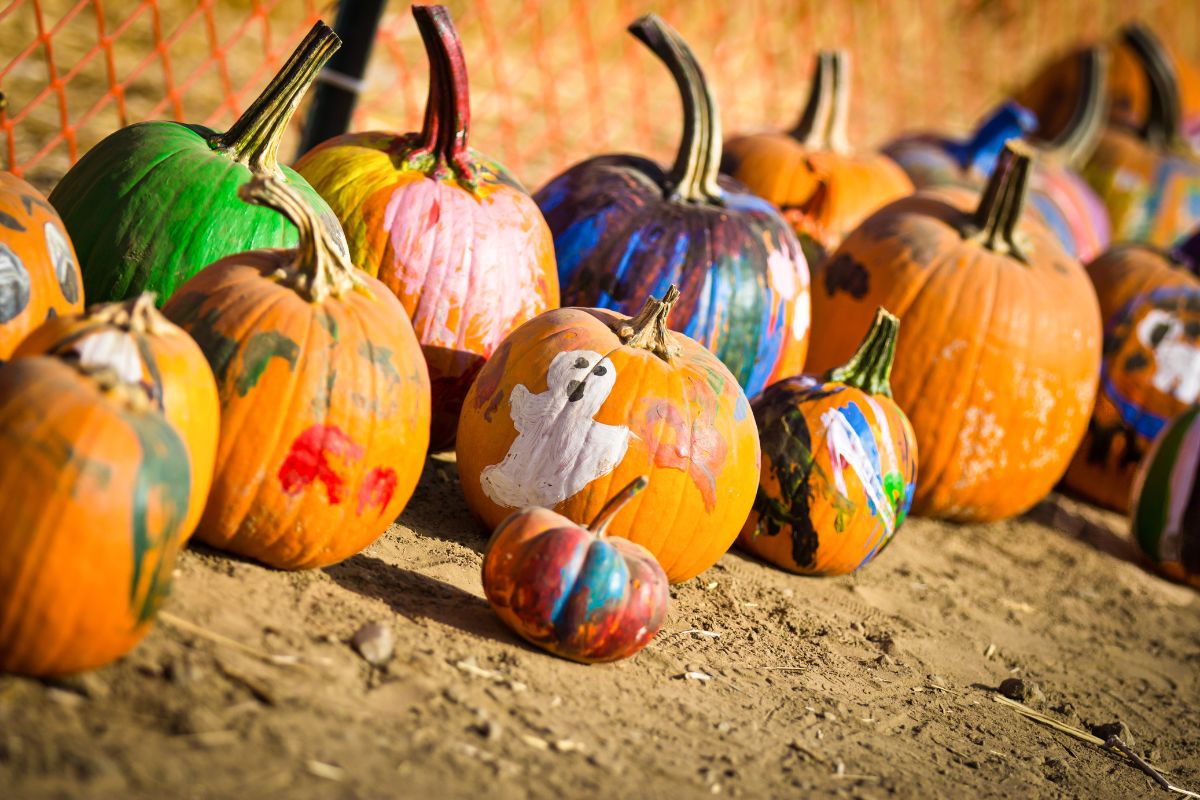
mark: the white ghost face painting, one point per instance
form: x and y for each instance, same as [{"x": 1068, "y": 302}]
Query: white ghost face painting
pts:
[
  {"x": 560, "y": 448},
  {"x": 63, "y": 261},
  {"x": 14, "y": 284},
  {"x": 1176, "y": 356}
]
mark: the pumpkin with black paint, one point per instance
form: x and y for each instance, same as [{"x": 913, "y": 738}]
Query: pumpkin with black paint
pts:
[
  {"x": 573, "y": 590},
  {"x": 625, "y": 228},
  {"x": 1166, "y": 500},
  {"x": 153, "y": 203},
  {"x": 839, "y": 464},
  {"x": 96, "y": 488},
  {"x": 324, "y": 395},
  {"x": 39, "y": 274}
]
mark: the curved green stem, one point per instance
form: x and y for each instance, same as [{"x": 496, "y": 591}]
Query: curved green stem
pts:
[
  {"x": 870, "y": 368},
  {"x": 823, "y": 123},
  {"x": 1075, "y": 143},
  {"x": 443, "y": 138},
  {"x": 648, "y": 330},
  {"x": 1162, "y": 122},
  {"x": 693, "y": 178},
  {"x": 599, "y": 525},
  {"x": 254, "y": 138},
  {"x": 994, "y": 224}
]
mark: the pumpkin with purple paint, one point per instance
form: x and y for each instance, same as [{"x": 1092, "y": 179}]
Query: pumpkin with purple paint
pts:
[
  {"x": 324, "y": 396},
  {"x": 573, "y": 590},
  {"x": 580, "y": 401},
  {"x": 451, "y": 233},
  {"x": 624, "y": 228},
  {"x": 839, "y": 464},
  {"x": 39, "y": 274},
  {"x": 1166, "y": 500}
]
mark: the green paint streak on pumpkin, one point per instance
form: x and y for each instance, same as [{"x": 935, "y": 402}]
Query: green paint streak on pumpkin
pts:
[
  {"x": 895, "y": 487},
  {"x": 329, "y": 323},
  {"x": 381, "y": 357},
  {"x": 1154, "y": 503},
  {"x": 262, "y": 347}
]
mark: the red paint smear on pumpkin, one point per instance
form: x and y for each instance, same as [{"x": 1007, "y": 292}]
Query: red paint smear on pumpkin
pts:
[
  {"x": 698, "y": 449},
  {"x": 308, "y": 461},
  {"x": 377, "y": 489}
]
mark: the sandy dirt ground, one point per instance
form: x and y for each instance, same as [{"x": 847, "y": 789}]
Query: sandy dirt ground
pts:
[{"x": 875, "y": 685}]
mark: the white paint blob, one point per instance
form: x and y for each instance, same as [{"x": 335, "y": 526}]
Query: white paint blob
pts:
[{"x": 1176, "y": 360}]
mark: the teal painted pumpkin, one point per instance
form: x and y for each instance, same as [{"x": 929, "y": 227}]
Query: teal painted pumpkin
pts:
[
  {"x": 1166, "y": 510},
  {"x": 153, "y": 203}
]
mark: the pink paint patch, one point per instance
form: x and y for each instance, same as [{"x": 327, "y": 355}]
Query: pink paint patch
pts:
[
  {"x": 308, "y": 461},
  {"x": 377, "y": 489}
]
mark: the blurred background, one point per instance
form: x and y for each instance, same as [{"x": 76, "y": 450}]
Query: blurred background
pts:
[{"x": 551, "y": 81}]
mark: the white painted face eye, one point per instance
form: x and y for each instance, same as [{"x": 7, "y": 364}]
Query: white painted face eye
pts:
[
  {"x": 1157, "y": 327},
  {"x": 63, "y": 261},
  {"x": 14, "y": 284}
]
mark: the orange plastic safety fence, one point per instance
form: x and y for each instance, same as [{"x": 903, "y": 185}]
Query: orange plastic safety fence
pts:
[{"x": 552, "y": 81}]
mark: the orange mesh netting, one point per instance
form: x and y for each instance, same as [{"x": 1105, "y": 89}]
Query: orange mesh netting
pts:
[{"x": 551, "y": 82}]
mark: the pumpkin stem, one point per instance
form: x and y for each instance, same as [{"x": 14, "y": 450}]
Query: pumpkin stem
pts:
[
  {"x": 648, "y": 330},
  {"x": 599, "y": 525},
  {"x": 138, "y": 314},
  {"x": 1075, "y": 143},
  {"x": 994, "y": 224},
  {"x": 870, "y": 368},
  {"x": 442, "y": 143},
  {"x": 1162, "y": 122},
  {"x": 320, "y": 270},
  {"x": 253, "y": 139},
  {"x": 814, "y": 120},
  {"x": 836, "y": 138},
  {"x": 693, "y": 178}
]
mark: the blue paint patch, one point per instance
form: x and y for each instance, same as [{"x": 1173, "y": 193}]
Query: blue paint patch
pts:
[
  {"x": 604, "y": 578},
  {"x": 742, "y": 407},
  {"x": 860, "y": 425}
]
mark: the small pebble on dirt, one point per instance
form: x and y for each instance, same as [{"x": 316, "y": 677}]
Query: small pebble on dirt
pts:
[
  {"x": 1117, "y": 728},
  {"x": 1022, "y": 691},
  {"x": 375, "y": 643}
]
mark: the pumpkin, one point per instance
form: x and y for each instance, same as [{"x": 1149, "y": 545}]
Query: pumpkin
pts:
[
  {"x": 96, "y": 488},
  {"x": 444, "y": 227},
  {"x": 625, "y": 228},
  {"x": 1150, "y": 305},
  {"x": 839, "y": 464},
  {"x": 154, "y": 202},
  {"x": 998, "y": 361},
  {"x": 579, "y": 401},
  {"x": 39, "y": 274},
  {"x": 324, "y": 395},
  {"x": 1166, "y": 505},
  {"x": 143, "y": 347},
  {"x": 573, "y": 590},
  {"x": 1058, "y": 195},
  {"x": 1149, "y": 180},
  {"x": 823, "y": 187}
]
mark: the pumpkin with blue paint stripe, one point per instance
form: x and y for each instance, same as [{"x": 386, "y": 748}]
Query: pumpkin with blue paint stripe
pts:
[
  {"x": 573, "y": 590},
  {"x": 625, "y": 228},
  {"x": 839, "y": 464},
  {"x": 1166, "y": 500}
]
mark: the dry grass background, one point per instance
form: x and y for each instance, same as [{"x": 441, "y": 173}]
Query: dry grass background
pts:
[{"x": 552, "y": 80}]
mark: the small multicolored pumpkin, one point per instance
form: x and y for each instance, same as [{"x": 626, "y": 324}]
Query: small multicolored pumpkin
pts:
[
  {"x": 39, "y": 274},
  {"x": 624, "y": 228},
  {"x": 1150, "y": 304},
  {"x": 824, "y": 188},
  {"x": 154, "y": 202},
  {"x": 144, "y": 348},
  {"x": 839, "y": 464},
  {"x": 579, "y": 401},
  {"x": 998, "y": 361},
  {"x": 96, "y": 488},
  {"x": 1166, "y": 500},
  {"x": 324, "y": 395},
  {"x": 572, "y": 590},
  {"x": 445, "y": 228}
]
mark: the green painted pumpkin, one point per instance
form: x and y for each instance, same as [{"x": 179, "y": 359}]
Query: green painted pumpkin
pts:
[{"x": 1166, "y": 510}]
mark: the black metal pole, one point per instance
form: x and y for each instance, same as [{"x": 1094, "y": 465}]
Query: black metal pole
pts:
[{"x": 338, "y": 84}]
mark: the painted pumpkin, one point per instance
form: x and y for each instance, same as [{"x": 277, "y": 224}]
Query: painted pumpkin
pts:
[
  {"x": 1166, "y": 504},
  {"x": 1058, "y": 195},
  {"x": 624, "y": 228},
  {"x": 324, "y": 396},
  {"x": 839, "y": 464},
  {"x": 1000, "y": 354},
  {"x": 1151, "y": 369},
  {"x": 144, "y": 348},
  {"x": 154, "y": 202},
  {"x": 39, "y": 274},
  {"x": 1149, "y": 179},
  {"x": 823, "y": 187},
  {"x": 573, "y": 590},
  {"x": 96, "y": 487},
  {"x": 580, "y": 401},
  {"x": 445, "y": 228}
]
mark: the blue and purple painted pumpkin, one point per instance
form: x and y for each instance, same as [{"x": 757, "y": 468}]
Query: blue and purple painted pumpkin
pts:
[
  {"x": 625, "y": 228},
  {"x": 572, "y": 590},
  {"x": 1166, "y": 510}
]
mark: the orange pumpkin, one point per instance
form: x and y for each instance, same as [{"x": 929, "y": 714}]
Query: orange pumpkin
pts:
[
  {"x": 324, "y": 395},
  {"x": 997, "y": 364},
  {"x": 1150, "y": 305},
  {"x": 578, "y": 402},
  {"x": 823, "y": 188},
  {"x": 96, "y": 487},
  {"x": 39, "y": 273},
  {"x": 144, "y": 347}
]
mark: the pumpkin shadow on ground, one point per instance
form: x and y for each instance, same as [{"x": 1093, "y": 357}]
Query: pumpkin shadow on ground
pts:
[
  {"x": 438, "y": 509},
  {"x": 1055, "y": 512}
]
